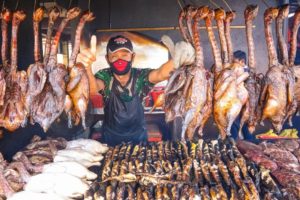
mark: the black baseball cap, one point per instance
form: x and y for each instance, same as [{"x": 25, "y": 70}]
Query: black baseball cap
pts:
[{"x": 117, "y": 43}]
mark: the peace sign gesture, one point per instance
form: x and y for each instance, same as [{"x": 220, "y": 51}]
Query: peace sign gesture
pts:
[{"x": 88, "y": 56}]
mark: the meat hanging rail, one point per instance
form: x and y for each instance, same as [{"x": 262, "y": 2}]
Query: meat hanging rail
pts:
[{"x": 160, "y": 28}]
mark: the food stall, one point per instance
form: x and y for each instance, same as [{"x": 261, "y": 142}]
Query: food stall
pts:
[{"x": 222, "y": 125}]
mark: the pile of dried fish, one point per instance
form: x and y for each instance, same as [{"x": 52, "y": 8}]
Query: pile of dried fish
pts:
[
  {"x": 282, "y": 160},
  {"x": 62, "y": 163},
  {"x": 182, "y": 170}
]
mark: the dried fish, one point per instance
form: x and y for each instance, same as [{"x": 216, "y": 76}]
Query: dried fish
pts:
[
  {"x": 120, "y": 193},
  {"x": 235, "y": 171},
  {"x": 165, "y": 193},
  {"x": 158, "y": 192},
  {"x": 130, "y": 192},
  {"x": 205, "y": 170},
  {"x": 213, "y": 168},
  {"x": 205, "y": 194},
  {"x": 109, "y": 193},
  {"x": 186, "y": 169}
]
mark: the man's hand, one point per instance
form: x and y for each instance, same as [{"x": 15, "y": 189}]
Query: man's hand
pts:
[
  {"x": 88, "y": 56},
  {"x": 182, "y": 53}
]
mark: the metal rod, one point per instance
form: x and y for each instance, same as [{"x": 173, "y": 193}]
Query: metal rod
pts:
[{"x": 160, "y": 28}]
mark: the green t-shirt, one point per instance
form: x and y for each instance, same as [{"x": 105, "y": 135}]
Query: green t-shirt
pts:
[{"x": 138, "y": 84}]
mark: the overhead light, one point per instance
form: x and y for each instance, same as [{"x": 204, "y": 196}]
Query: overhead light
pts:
[{"x": 291, "y": 15}]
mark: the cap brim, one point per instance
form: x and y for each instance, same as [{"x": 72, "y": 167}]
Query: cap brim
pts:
[{"x": 122, "y": 48}]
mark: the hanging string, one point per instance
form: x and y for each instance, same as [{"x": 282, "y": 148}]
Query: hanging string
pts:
[
  {"x": 245, "y": 2},
  {"x": 17, "y": 5},
  {"x": 3, "y": 4},
  {"x": 265, "y": 3},
  {"x": 214, "y": 3},
  {"x": 70, "y": 3},
  {"x": 227, "y": 5},
  {"x": 181, "y": 7},
  {"x": 34, "y": 7},
  {"x": 89, "y": 6}
]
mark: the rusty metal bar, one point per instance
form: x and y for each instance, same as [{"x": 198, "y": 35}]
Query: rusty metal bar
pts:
[{"x": 159, "y": 28}]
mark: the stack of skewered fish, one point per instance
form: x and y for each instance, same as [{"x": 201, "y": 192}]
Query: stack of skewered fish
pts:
[
  {"x": 52, "y": 168},
  {"x": 47, "y": 88},
  {"x": 230, "y": 91},
  {"x": 282, "y": 160},
  {"x": 183, "y": 170}
]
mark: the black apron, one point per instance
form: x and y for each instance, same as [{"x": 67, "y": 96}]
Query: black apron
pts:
[{"x": 123, "y": 120}]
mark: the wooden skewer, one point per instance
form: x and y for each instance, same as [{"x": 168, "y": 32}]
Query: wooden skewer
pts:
[{"x": 159, "y": 28}]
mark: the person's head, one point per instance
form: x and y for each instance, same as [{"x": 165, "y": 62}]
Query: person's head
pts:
[
  {"x": 119, "y": 54},
  {"x": 240, "y": 57}
]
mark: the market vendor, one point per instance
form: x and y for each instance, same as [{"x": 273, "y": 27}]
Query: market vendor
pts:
[{"x": 123, "y": 87}]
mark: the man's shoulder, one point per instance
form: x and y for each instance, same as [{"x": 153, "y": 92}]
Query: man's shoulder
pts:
[
  {"x": 104, "y": 74},
  {"x": 140, "y": 71}
]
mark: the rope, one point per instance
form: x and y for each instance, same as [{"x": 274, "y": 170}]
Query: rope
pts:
[
  {"x": 3, "y": 4},
  {"x": 265, "y": 3},
  {"x": 34, "y": 6},
  {"x": 70, "y": 3},
  {"x": 215, "y": 4},
  {"x": 178, "y": 1},
  {"x": 245, "y": 2},
  {"x": 17, "y": 5},
  {"x": 227, "y": 5}
]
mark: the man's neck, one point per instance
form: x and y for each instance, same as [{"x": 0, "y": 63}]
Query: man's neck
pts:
[{"x": 123, "y": 79}]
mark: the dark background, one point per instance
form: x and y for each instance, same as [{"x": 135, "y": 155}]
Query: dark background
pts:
[{"x": 111, "y": 14}]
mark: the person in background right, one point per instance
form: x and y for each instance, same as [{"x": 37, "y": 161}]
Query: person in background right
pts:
[{"x": 240, "y": 57}]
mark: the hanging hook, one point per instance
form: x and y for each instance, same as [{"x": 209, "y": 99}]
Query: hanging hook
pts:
[{"x": 227, "y": 5}]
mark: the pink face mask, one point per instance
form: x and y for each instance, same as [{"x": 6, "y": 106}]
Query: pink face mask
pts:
[{"x": 120, "y": 67}]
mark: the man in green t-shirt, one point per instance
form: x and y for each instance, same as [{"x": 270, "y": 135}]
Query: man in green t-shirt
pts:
[{"x": 123, "y": 86}]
